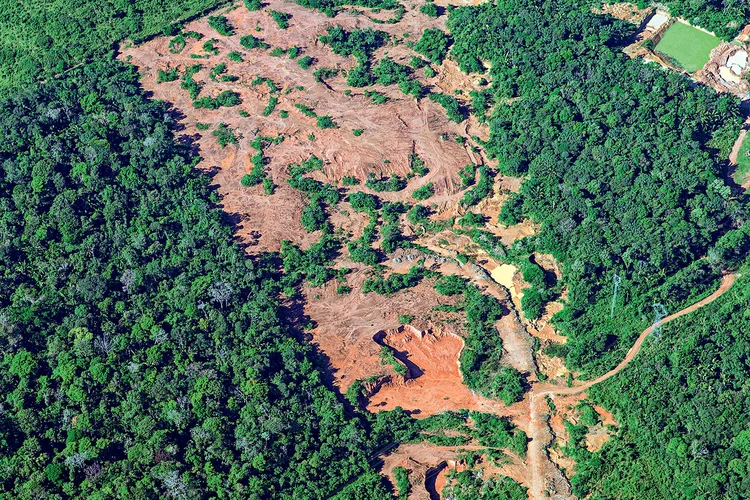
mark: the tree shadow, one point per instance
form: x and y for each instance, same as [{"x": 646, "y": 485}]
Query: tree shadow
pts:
[{"x": 430, "y": 480}]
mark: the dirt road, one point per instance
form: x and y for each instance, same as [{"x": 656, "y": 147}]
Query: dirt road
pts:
[
  {"x": 539, "y": 431},
  {"x": 736, "y": 148},
  {"x": 726, "y": 282}
]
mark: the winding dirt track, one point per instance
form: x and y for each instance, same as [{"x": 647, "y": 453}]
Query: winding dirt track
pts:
[
  {"x": 538, "y": 428},
  {"x": 726, "y": 282}
]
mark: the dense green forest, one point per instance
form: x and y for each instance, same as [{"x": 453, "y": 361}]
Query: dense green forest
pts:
[
  {"x": 44, "y": 38},
  {"x": 682, "y": 407},
  {"x": 142, "y": 353},
  {"x": 622, "y": 163},
  {"x": 624, "y": 174}
]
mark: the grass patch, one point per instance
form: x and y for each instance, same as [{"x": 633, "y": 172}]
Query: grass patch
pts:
[
  {"x": 688, "y": 46},
  {"x": 742, "y": 174}
]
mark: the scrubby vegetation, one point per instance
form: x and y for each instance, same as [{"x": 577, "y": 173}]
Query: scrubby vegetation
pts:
[
  {"x": 221, "y": 25},
  {"x": 224, "y": 135},
  {"x": 481, "y": 359},
  {"x": 392, "y": 183},
  {"x": 169, "y": 75},
  {"x": 434, "y": 45},
  {"x": 280, "y": 18},
  {"x": 227, "y": 98},
  {"x": 252, "y": 42},
  {"x": 452, "y": 107},
  {"x": 424, "y": 192}
]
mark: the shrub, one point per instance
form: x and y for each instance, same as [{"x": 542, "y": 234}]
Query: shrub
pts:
[
  {"x": 235, "y": 56},
  {"x": 251, "y": 42},
  {"x": 481, "y": 190},
  {"x": 388, "y": 72},
  {"x": 360, "y": 76},
  {"x": 188, "y": 83},
  {"x": 358, "y": 43},
  {"x": 417, "y": 62},
  {"x": 226, "y": 99},
  {"x": 450, "y": 104},
  {"x": 468, "y": 174},
  {"x": 433, "y": 45},
  {"x": 405, "y": 319},
  {"x": 307, "y": 111},
  {"x": 471, "y": 219},
  {"x": 217, "y": 70},
  {"x": 253, "y": 5},
  {"x": 357, "y": 132},
  {"x": 305, "y": 62},
  {"x": 221, "y": 25},
  {"x": 418, "y": 214},
  {"x": 363, "y": 202},
  {"x": 395, "y": 282},
  {"x": 429, "y": 9},
  {"x": 292, "y": 52},
  {"x": 281, "y": 18},
  {"x": 470, "y": 64},
  {"x": 272, "y": 102},
  {"x": 322, "y": 74},
  {"x": 376, "y": 97},
  {"x": 177, "y": 44},
  {"x": 326, "y": 121},
  {"x": 209, "y": 47},
  {"x": 423, "y": 192},
  {"x": 268, "y": 186},
  {"x": 394, "y": 183},
  {"x": 412, "y": 88},
  {"x": 225, "y": 135},
  {"x": 417, "y": 165},
  {"x": 167, "y": 76},
  {"x": 403, "y": 485}
]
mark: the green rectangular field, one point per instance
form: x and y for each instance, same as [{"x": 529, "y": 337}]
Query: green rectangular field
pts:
[
  {"x": 687, "y": 45},
  {"x": 742, "y": 173}
]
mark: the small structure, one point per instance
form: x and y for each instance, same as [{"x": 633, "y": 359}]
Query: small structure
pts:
[
  {"x": 735, "y": 66},
  {"x": 656, "y": 22}
]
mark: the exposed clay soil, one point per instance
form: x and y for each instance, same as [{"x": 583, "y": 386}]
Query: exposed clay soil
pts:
[
  {"x": 403, "y": 124},
  {"x": 433, "y": 384},
  {"x": 429, "y": 466},
  {"x": 348, "y": 323}
]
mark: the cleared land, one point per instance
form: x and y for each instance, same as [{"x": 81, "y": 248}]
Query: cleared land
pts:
[{"x": 688, "y": 46}]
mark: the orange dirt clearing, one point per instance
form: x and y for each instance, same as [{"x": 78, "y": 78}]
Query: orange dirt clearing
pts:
[
  {"x": 405, "y": 125},
  {"x": 434, "y": 383}
]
